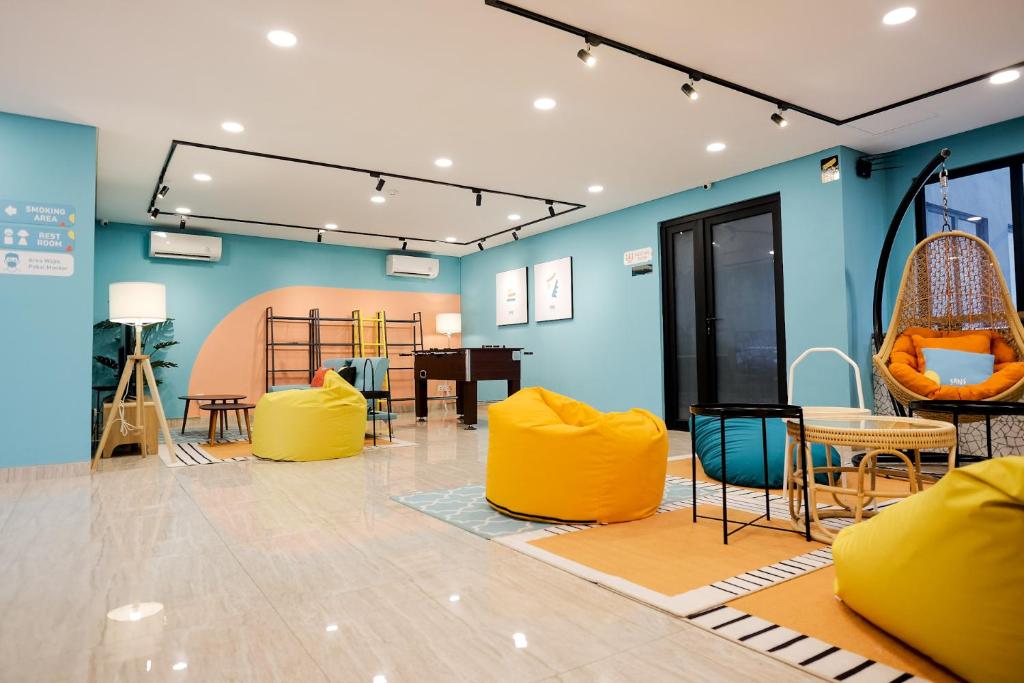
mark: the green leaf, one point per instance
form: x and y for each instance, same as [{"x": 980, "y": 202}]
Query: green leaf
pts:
[
  {"x": 163, "y": 364},
  {"x": 165, "y": 344},
  {"x": 106, "y": 362}
]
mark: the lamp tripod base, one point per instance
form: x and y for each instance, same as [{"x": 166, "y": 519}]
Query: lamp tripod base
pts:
[{"x": 139, "y": 366}]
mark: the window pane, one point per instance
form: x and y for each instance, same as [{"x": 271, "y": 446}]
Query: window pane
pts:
[
  {"x": 979, "y": 204},
  {"x": 686, "y": 321},
  {"x": 746, "y": 353}
]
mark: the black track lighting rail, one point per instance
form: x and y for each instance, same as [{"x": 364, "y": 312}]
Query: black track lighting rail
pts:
[
  {"x": 698, "y": 74},
  {"x": 155, "y": 212}
]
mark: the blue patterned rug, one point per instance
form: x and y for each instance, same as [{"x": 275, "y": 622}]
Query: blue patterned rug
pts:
[{"x": 466, "y": 508}]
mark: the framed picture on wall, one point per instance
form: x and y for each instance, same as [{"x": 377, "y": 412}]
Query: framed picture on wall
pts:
[
  {"x": 552, "y": 286},
  {"x": 511, "y": 297}
]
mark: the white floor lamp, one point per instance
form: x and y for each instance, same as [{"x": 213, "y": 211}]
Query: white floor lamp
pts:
[{"x": 137, "y": 304}]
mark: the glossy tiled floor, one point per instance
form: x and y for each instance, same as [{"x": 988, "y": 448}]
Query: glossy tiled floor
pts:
[{"x": 309, "y": 572}]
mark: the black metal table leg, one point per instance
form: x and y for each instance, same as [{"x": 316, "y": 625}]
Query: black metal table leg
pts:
[
  {"x": 725, "y": 507},
  {"x": 956, "y": 426},
  {"x": 764, "y": 447},
  {"x": 988, "y": 436},
  {"x": 693, "y": 463},
  {"x": 803, "y": 470}
]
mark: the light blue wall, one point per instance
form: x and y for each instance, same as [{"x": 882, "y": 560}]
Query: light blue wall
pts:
[
  {"x": 864, "y": 225},
  {"x": 610, "y": 354},
  {"x": 45, "y": 336},
  {"x": 200, "y": 295},
  {"x": 971, "y": 147}
]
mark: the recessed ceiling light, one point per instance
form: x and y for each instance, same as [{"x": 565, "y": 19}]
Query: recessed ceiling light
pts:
[
  {"x": 180, "y": 666},
  {"x": 1002, "y": 77},
  {"x": 716, "y": 147},
  {"x": 378, "y": 199},
  {"x": 974, "y": 219},
  {"x": 900, "y": 15},
  {"x": 232, "y": 126},
  {"x": 331, "y": 628},
  {"x": 594, "y": 189},
  {"x": 282, "y": 38},
  {"x": 544, "y": 103},
  {"x": 443, "y": 162},
  {"x": 451, "y": 239},
  {"x": 331, "y": 226},
  {"x": 514, "y": 216},
  {"x": 202, "y": 177},
  {"x": 183, "y": 209}
]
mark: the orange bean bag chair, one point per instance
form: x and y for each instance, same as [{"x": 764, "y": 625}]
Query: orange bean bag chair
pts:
[{"x": 906, "y": 363}]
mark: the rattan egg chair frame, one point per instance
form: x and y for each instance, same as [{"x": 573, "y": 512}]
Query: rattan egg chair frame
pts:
[{"x": 951, "y": 282}]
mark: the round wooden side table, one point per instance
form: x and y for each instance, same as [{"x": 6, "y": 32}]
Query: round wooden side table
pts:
[
  {"x": 219, "y": 414},
  {"x": 210, "y": 398},
  {"x": 879, "y": 435}
]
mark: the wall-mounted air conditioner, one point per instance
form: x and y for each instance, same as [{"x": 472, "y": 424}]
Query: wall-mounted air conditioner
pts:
[
  {"x": 412, "y": 266},
  {"x": 183, "y": 246}
]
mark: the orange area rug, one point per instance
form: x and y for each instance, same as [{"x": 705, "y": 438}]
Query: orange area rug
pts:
[
  {"x": 807, "y": 605},
  {"x": 670, "y": 554}
]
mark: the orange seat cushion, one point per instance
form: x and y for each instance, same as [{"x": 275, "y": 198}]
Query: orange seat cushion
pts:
[{"x": 906, "y": 362}]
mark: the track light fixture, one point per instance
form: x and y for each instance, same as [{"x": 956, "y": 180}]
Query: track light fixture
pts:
[
  {"x": 154, "y": 213},
  {"x": 480, "y": 245},
  {"x": 181, "y": 223},
  {"x": 690, "y": 91},
  {"x": 163, "y": 191},
  {"x": 778, "y": 119},
  {"x": 479, "y": 197},
  {"x": 405, "y": 244},
  {"x": 551, "y": 207},
  {"x": 380, "y": 181},
  {"x": 319, "y": 236},
  {"x": 585, "y": 55},
  {"x": 515, "y": 235}
]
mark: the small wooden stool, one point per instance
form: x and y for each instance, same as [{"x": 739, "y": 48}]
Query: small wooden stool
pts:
[{"x": 219, "y": 415}]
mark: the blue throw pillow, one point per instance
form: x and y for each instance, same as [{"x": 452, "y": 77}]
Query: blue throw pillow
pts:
[{"x": 957, "y": 368}]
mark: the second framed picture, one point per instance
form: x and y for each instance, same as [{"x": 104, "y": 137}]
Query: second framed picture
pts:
[
  {"x": 510, "y": 297},
  {"x": 552, "y": 283}
]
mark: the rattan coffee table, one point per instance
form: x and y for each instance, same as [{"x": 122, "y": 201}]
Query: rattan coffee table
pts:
[{"x": 880, "y": 435}]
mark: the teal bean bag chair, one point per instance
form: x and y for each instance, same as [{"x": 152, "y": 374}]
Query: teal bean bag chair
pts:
[{"x": 744, "y": 448}]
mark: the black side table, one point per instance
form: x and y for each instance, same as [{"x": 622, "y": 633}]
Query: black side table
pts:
[
  {"x": 727, "y": 411},
  {"x": 985, "y": 409}
]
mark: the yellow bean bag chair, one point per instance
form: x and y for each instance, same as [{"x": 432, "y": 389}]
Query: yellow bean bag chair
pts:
[
  {"x": 553, "y": 459},
  {"x": 310, "y": 424},
  {"x": 943, "y": 570}
]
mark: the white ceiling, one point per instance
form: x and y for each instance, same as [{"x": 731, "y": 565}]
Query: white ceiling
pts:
[{"x": 393, "y": 85}]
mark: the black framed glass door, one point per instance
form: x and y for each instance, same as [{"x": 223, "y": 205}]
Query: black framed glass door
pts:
[{"x": 724, "y": 326}]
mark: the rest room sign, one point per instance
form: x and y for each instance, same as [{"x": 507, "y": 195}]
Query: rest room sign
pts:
[{"x": 36, "y": 238}]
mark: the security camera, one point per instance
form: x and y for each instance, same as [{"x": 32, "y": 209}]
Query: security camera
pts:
[{"x": 707, "y": 186}]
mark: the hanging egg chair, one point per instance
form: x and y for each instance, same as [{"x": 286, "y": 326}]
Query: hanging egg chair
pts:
[{"x": 952, "y": 286}]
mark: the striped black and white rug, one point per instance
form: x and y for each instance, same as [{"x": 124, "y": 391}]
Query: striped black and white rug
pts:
[
  {"x": 188, "y": 453},
  {"x": 800, "y": 650}
]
